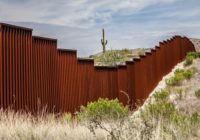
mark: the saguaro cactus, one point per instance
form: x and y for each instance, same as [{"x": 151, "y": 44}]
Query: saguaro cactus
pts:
[{"x": 104, "y": 42}]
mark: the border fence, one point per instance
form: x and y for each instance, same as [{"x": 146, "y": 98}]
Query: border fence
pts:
[{"x": 34, "y": 73}]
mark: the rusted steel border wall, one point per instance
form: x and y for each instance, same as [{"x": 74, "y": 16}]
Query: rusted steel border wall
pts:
[{"x": 35, "y": 74}]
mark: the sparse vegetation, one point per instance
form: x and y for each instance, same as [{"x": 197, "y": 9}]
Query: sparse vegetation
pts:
[
  {"x": 156, "y": 110},
  {"x": 190, "y": 56},
  {"x": 116, "y": 57},
  {"x": 161, "y": 95},
  {"x": 194, "y": 55},
  {"x": 179, "y": 76},
  {"x": 112, "y": 58},
  {"x": 188, "y": 61},
  {"x": 197, "y": 93}
]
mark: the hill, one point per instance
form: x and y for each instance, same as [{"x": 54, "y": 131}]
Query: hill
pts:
[{"x": 117, "y": 57}]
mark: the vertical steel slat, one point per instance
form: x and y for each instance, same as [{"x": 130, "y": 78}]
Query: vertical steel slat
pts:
[
  {"x": 48, "y": 73},
  {"x": 7, "y": 68},
  {"x": 61, "y": 80},
  {"x": 17, "y": 69},
  {"x": 65, "y": 84},
  {"x": 37, "y": 82},
  {"x": 26, "y": 70},
  {"x": 39, "y": 71},
  {"x": 12, "y": 95},
  {"x": 67, "y": 101},
  {"x": 31, "y": 74},
  {"x": 43, "y": 80},
  {"x": 48, "y": 77},
  {"x": 28, "y": 79},
  {"x": 70, "y": 79},
  {"x": 4, "y": 66},
  {"x": 122, "y": 84},
  {"x": 14, "y": 69},
  {"x": 45, "y": 73},
  {"x": 1, "y": 71},
  {"x": 23, "y": 103}
]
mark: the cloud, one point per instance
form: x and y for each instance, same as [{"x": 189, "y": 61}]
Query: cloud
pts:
[{"x": 74, "y": 13}]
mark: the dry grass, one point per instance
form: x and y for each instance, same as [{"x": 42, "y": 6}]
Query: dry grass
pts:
[{"x": 22, "y": 126}]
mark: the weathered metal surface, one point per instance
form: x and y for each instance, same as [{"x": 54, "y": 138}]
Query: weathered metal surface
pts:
[{"x": 35, "y": 74}]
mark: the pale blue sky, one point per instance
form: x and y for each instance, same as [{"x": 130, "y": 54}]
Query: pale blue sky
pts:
[{"x": 77, "y": 24}]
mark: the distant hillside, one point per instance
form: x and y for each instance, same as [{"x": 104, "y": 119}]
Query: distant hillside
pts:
[{"x": 117, "y": 57}]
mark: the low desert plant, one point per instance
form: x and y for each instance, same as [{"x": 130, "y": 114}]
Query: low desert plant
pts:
[
  {"x": 197, "y": 93},
  {"x": 179, "y": 76},
  {"x": 188, "y": 61},
  {"x": 161, "y": 95},
  {"x": 194, "y": 55},
  {"x": 156, "y": 110},
  {"x": 101, "y": 111}
]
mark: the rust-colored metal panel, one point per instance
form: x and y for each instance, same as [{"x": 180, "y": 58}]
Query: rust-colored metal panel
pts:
[
  {"x": 154, "y": 69},
  {"x": 1, "y": 63},
  {"x": 162, "y": 58},
  {"x": 158, "y": 62},
  {"x": 25, "y": 70},
  {"x": 114, "y": 83},
  {"x": 12, "y": 68},
  {"x": 149, "y": 73},
  {"x": 122, "y": 84},
  {"x": 7, "y": 67},
  {"x": 3, "y": 66},
  {"x": 131, "y": 82},
  {"x": 21, "y": 82},
  {"x": 18, "y": 101}
]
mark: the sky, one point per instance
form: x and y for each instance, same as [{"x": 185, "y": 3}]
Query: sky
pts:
[{"x": 77, "y": 24}]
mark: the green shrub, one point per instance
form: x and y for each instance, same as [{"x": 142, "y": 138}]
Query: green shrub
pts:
[
  {"x": 179, "y": 76},
  {"x": 197, "y": 93},
  {"x": 188, "y": 61},
  {"x": 194, "y": 55},
  {"x": 161, "y": 95},
  {"x": 175, "y": 80},
  {"x": 188, "y": 73},
  {"x": 103, "y": 109},
  {"x": 195, "y": 119}
]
